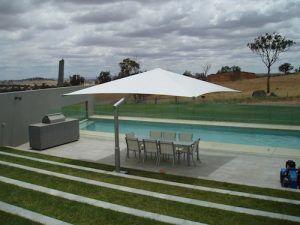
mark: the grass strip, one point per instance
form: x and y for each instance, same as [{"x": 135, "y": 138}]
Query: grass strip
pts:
[
  {"x": 168, "y": 177},
  {"x": 170, "y": 208},
  {"x": 264, "y": 205},
  {"x": 10, "y": 219},
  {"x": 66, "y": 210}
]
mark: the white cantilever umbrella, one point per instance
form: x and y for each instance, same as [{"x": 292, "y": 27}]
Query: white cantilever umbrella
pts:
[{"x": 153, "y": 82}]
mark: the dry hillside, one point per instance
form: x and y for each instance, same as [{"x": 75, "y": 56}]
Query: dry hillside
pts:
[{"x": 282, "y": 86}]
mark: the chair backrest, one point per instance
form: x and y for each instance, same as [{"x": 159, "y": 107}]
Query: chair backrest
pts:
[
  {"x": 155, "y": 134},
  {"x": 185, "y": 137},
  {"x": 132, "y": 144},
  {"x": 130, "y": 135},
  {"x": 166, "y": 147},
  {"x": 196, "y": 145},
  {"x": 170, "y": 136},
  {"x": 150, "y": 145}
]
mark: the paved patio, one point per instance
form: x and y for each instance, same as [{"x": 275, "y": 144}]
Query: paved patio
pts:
[{"x": 251, "y": 169}]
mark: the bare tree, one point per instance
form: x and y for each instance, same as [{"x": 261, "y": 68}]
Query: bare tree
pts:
[
  {"x": 268, "y": 47},
  {"x": 205, "y": 68}
]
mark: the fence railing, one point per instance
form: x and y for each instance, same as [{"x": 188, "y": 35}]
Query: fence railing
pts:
[
  {"x": 247, "y": 113},
  {"x": 77, "y": 111},
  {"x": 271, "y": 114}
]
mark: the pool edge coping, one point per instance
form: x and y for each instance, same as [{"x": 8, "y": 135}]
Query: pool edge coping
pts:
[{"x": 203, "y": 122}]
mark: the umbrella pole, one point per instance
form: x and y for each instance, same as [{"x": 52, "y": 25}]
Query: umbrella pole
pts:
[{"x": 117, "y": 141}]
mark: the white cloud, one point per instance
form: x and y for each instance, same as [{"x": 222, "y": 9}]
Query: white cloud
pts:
[{"x": 174, "y": 34}]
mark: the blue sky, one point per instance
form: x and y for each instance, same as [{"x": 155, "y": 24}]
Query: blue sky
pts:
[{"x": 95, "y": 35}]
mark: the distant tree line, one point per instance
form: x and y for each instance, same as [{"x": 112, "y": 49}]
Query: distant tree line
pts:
[
  {"x": 199, "y": 76},
  {"x": 76, "y": 80},
  {"x": 205, "y": 68},
  {"x": 127, "y": 66},
  {"x": 226, "y": 69}
]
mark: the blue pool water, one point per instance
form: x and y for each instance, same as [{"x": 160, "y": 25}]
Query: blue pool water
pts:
[{"x": 233, "y": 135}]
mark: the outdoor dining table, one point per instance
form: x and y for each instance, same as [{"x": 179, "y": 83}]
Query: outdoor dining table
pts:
[{"x": 180, "y": 144}]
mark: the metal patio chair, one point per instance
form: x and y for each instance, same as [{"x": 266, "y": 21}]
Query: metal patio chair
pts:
[
  {"x": 150, "y": 147},
  {"x": 166, "y": 149},
  {"x": 134, "y": 146},
  {"x": 185, "y": 137},
  {"x": 169, "y": 136},
  {"x": 155, "y": 135},
  {"x": 130, "y": 135}
]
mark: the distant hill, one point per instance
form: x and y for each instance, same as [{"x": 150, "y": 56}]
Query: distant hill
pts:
[
  {"x": 230, "y": 76},
  {"x": 36, "y": 78}
]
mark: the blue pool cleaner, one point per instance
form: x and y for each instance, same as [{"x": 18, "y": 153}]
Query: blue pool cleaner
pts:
[
  {"x": 289, "y": 176},
  {"x": 293, "y": 177}
]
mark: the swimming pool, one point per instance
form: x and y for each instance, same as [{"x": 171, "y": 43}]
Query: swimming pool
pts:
[{"x": 221, "y": 134}]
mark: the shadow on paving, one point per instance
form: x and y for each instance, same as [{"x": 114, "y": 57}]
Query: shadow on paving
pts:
[{"x": 209, "y": 164}]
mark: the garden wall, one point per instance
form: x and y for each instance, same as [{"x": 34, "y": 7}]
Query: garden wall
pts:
[{"x": 19, "y": 109}]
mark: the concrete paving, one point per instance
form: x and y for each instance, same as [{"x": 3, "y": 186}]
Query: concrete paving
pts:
[
  {"x": 101, "y": 204},
  {"x": 33, "y": 216},
  {"x": 236, "y": 167},
  {"x": 196, "y": 202}
]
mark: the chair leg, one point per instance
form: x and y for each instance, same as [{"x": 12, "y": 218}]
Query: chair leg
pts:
[
  {"x": 198, "y": 158},
  {"x": 178, "y": 157},
  {"x": 193, "y": 159},
  {"x": 188, "y": 158}
]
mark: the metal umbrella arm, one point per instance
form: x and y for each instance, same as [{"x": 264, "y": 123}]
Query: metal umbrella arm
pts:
[{"x": 117, "y": 142}]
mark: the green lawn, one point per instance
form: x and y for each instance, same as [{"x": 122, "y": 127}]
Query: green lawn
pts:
[
  {"x": 283, "y": 208},
  {"x": 65, "y": 210},
  {"x": 85, "y": 214},
  {"x": 234, "y": 112},
  {"x": 9, "y": 219},
  {"x": 160, "y": 176}
]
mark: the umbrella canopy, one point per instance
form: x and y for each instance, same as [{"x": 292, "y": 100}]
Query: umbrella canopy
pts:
[{"x": 155, "y": 82}]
